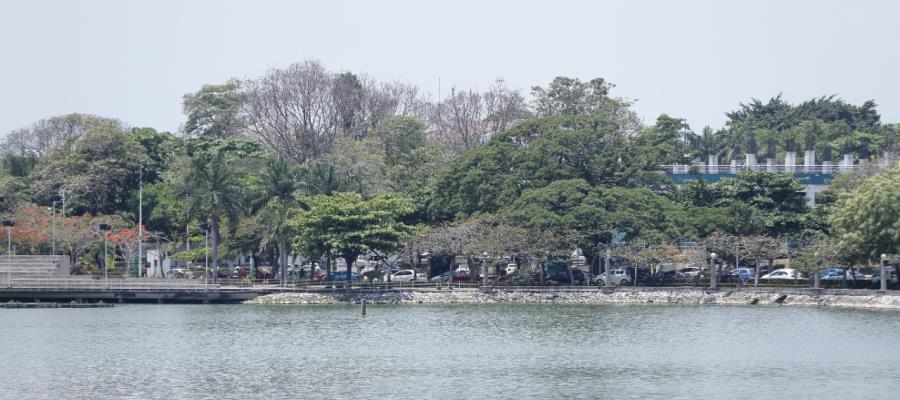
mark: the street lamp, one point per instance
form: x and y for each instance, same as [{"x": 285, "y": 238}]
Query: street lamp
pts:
[
  {"x": 53, "y": 226},
  {"x": 105, "y": 228},
  {"x": 712, "y": 270},
  {"x": 9, "y": 223},
  {"x": 816, "y": 269},
  {"x": 205, "y": 227},
  {"x": 484, "y": 274},
  {"x": 606, "y": 267},
  {"x": 883, "y": 273}
]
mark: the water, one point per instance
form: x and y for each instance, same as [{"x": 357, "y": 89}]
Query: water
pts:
[{"x": 419, "y": 352}]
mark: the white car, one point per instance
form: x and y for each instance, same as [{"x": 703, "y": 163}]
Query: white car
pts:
[
  {"x": 616, "y": 277},
  {"x": 690, "y": 272},
  {"x": 511, "y": 269},
  {"x": 404, "y": 275},
  {"x": 783, "y": 274}
]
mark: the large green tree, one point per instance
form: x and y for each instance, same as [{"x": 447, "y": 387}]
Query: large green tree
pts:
[
  {"x": 867, "y": 219},
  {"x": 350, "y": 225},
  {"x": 532, "y": 155},
  {"x": 212, "y": 193},
  {"x": 214, "y": 111}
]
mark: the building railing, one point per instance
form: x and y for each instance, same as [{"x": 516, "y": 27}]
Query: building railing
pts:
[{"x": 736, "y": 168}]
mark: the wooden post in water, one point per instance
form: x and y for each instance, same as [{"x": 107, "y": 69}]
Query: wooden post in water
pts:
[{"x": 363, "y": 307}]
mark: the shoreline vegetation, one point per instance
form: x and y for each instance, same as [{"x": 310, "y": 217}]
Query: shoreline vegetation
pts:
[
  {"x": 304, "y": 170},
  {"x": 856, "y": 299}
]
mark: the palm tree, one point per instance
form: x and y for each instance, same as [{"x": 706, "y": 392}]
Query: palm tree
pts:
[
  {"x": 212, "y": 191},
  {"x": 280, "y": 186}
]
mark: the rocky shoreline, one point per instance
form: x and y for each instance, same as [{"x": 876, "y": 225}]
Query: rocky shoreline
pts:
[{"x": 692, "y": 296}]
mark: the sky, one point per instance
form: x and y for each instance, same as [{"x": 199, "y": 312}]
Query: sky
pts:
[{"x": 690, "y": 59}]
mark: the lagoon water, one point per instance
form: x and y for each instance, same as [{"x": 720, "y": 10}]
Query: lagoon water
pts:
[{"x": 454, "y": 351}]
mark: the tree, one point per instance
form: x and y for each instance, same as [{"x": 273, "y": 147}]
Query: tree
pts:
[
  {"x": 466, "y": 119},
  {"x": 533, "y": 154},
  {"x": 350, "y": 225},
  {"x": 292, "y": 111},
  {"x": 211, "y": 191},
  {"x": 867, "y": 220},
  {"x": 214, "y": 111},
  {"x": 46, "y": 134},
  {"x": 571, "y": 96},
  {"x": 279, "y": 178},
  {"x": 96, "y": 174}
]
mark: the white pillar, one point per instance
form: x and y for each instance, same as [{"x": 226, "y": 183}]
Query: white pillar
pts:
[
  {"x": 770, "y": 164},
  {"x": 733, "y": 166},
  {"x": 790, "y": 160},
  {"x": 826, "y": 167},
  {"x": 750, "y": 161},
  {"x": 712, "y": 164},
  {"x": 847, "y": 162},
  {"x": 809, "y": 160}
]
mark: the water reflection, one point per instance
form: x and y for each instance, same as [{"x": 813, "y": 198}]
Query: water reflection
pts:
[{"x": 489, "y": 351}]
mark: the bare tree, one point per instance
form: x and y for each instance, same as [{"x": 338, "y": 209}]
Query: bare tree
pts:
[
  {"x": 292, "y": 111},
  {"x": 467, "y": 119},
  {"x": 42, "y": 136}
]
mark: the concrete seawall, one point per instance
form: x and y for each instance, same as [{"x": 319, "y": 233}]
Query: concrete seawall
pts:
[{"x": 687, "y": 296}]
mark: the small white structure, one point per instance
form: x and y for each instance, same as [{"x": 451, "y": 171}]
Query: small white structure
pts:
[{"x": 159, "y": 265}]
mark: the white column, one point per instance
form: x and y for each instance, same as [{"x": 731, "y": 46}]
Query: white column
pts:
[
  {"x": 809, "y": 160},
  {"x": 790, "y": 160},
  {"x": 826, "y": 167},
  {"x": 770, "y": 164},
  {"x": 750, "y": 161},
  {"x": 847, "y": 162},
  {"x": 713, "y": 164}
]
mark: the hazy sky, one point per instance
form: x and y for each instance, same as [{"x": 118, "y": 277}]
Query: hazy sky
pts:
[{"x": 693, "y": 59}]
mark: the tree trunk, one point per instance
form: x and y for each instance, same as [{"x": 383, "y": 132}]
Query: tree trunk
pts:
[
  {"x": 756, "y": 273},
  {"x": 282, "y": 255},
  {"x": 214, "y": 226}
]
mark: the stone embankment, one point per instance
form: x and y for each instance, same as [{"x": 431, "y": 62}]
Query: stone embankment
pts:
[{"x": 798, "y": 297}]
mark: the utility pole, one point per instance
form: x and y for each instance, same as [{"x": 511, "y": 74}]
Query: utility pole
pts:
[
  {"x": 105, "y": 228},
  {"x": 9, "y": 223},
  {"x": 53, "y": 228},
  {"x": 140, "y": 220}
]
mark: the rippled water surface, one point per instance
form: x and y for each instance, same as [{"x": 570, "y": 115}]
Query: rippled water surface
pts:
[{"x": 488, "y": 351}]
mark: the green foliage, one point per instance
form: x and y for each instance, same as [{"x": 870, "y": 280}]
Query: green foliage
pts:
[
  {"x": 868, "y": 218},
  {"x": 567, "y": 206},
  {"x": 754, "y": 203},
  {"x": 532, "y": 155},
  {"x": 97, "y": 173},
  {"x": 350, "y": 225},
  {"x": 214, "y": 111}
]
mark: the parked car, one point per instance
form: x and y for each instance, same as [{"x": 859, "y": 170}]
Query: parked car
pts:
[
  {"x": 743, "y": 274},
  {"x": 891, "y": 277},
  {"x": 560, "y": 274},
  {"x": 511, "y": 269},
  {"x": 690, "y": 272},
  {"x": 404, "y": 275},
  {"x": 783, "y": 274},
  {"x": 616, "y": 277},
  {"x": 444, "y": 277},
  {"x": 465, "y": 276},
  {"x": 833, "y": 274},
  {"x": 662, "y": 278},
  {"x": 341, "y": 276}
]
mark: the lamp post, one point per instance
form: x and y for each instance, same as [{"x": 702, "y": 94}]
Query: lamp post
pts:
[
  {"x": 9, "y": 223},
  {"x": 816, "y": 270},
  {"x": 53, "y": 226},
  {"x": 883, "y": 273},
  {"x": 105, "y": 228},
  {"x": 606, "y": 268},
  {"x": 205, "y": 227},
  {"x": 484, "y": 274},
  {"x": 712, "y": 270}
]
